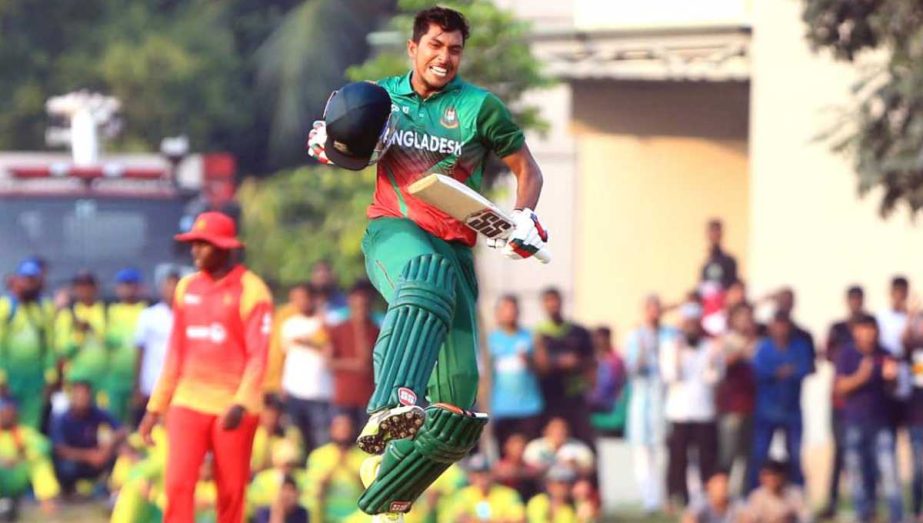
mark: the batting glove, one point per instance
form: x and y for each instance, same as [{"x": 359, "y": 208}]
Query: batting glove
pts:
[
  {"x": 316, "y": 140},
  {"x": 528, "y": 235}
]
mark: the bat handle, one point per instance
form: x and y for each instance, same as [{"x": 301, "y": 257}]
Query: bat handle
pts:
[{"x": 543, "y": 255}]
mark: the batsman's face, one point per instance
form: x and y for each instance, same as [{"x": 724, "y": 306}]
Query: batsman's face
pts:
[{"x": 436, "y": 56}]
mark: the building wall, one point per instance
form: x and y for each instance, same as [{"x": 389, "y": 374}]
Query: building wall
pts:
[
  {"x": 809, "y": 227},
  {"x": 655, "y": 162}
]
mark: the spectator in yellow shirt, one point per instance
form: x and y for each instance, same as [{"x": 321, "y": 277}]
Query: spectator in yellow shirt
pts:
[
  {"x": 485, "y": 499},
  {"x": 333, "y": 473},
  {"x": 554, "y": 505},
  {"x": 25, "y": 459}
]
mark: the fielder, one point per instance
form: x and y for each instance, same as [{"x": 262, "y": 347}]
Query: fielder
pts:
[{"x": 418, "y": 257}]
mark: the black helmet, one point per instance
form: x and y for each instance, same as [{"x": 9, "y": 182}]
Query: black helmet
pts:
[{"x": 358, "y": 120}]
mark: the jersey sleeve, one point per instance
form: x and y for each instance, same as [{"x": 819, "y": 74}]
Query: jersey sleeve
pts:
[
  {"x": 497, "y": 129},
  {"x": 256, "y": 313}
]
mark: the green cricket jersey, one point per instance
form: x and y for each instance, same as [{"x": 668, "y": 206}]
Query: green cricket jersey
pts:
[
  {"x": 120, "y": 337},
  {"x": 26, "y": 354},
  {"x": 451, "y": 133}
]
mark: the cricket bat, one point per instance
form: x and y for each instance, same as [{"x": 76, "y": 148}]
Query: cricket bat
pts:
[{"x": 467, "y": 206}]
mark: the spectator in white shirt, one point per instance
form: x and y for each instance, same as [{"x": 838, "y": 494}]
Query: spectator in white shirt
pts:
[
  {"x": 307, "y": 383},
  {"x": 691, "y": 366},
  {"x": 892, "y": 322},
  {"x": 556, "y": 447},
  {"x": 152, "y": 335}
]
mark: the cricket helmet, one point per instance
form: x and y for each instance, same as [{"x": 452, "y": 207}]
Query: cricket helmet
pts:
[{"x": 359, "y": 123}]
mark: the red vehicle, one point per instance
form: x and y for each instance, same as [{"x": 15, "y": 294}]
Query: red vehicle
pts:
[{"x": 120, "y": 211}]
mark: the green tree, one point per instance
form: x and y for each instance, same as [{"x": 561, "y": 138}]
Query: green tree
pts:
[
  {"x": 885, "y": 129},
  {"x": 303, "y": 215},
  {"x": 497, "y": 54},
  {"x": 300, "y": 216}
]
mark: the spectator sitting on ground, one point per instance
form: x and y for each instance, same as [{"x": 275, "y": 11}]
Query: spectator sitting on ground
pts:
[
  {"x": 285, "y": 508},
  {"x": 775, "y": 501},
  {"x": 554, "y": 504},
  {"x": 484, "y": 499},
  {"x": 25, "y": 459},
  {"x": 718, "y": 506},
  {"x": 333, "y": 473},
  {"x": 206, "y": 491},
  {"x": 513, "y": 471},
  {"x": 556, "y": 447},
  {"x": 270, "y": 433},
  {"x": 586, "y": 501},
  {"x": 263, "y": 490},
  {"x": 85, "y": 440}
]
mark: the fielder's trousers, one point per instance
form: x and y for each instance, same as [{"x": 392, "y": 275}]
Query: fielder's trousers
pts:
[{"x": 190, "y": 435}]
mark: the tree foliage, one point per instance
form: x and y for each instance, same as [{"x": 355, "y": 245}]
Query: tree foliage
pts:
[
  {"x": 886, "y": 135},
  {"x": 497, "y": 54},
  {"x": 300, "y": 216},
  {"x": 243, "y": 76}
]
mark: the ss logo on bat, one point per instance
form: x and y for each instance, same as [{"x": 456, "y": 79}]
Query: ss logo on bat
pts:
[{"x": 488, "y": 223}]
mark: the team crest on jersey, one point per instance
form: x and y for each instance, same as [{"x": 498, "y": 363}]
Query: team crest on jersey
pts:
[{"x": 449, "y": 118}]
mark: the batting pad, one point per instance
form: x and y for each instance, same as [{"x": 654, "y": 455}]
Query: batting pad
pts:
[
  {"x": 415, "y": 326},
  {"x": 408, "y": 467}
]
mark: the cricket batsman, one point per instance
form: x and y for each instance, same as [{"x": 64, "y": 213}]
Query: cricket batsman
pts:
[
  {"x": 210, "y": 391},
  {"x": 418, "y": 257}
]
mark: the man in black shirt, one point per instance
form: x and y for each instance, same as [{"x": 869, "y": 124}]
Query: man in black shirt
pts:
[
  {"x": 720, "y": 267},
  {"x": 566, "y": 364}
]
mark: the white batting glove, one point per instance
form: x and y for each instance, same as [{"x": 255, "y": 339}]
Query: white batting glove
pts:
[
  {"x": 317, "y": 137},
  {"x": 528, "y": 235}
]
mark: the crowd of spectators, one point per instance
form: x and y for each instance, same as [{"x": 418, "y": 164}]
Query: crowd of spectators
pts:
[{"x": 708, "y": 381}]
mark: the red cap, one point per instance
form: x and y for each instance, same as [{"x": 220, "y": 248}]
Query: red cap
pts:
[{"x": 215, "y": 228}]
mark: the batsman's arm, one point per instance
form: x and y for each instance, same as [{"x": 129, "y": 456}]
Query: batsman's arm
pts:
[
  {"x": 529, "y": 179},
  {"x": 505, "y": 138}
]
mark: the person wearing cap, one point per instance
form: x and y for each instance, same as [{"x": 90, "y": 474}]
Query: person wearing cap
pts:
[
  {"x": 210, "y": 392},
  {"x": 781, "y": 363},
  {"x": 691, "y": 366},
  {"x": 80, "y": 334},
  {"x": 485, "y": 499},
  {"x": 554, "y": 505},
  {"x": 27, "y": 358},
  {"x": 122, "y": 320},
  {"x": 418, "y": 257},
  {"x": 25, "y": 459}
]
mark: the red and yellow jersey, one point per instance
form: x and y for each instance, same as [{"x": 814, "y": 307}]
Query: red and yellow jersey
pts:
[{"x": 218, "y": 346}]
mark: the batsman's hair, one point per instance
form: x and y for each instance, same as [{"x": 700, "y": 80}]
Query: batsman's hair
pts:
[{"x": 448, "y": 20}]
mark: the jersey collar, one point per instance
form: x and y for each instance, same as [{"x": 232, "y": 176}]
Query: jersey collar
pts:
[{"x": 406, "y": 88}]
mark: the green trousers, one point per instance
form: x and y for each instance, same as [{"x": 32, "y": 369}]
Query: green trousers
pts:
[{"x": 389, "y": 244}]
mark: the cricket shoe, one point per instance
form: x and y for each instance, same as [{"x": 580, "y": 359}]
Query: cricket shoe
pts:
[
  {"x": 367, "y": 473},
  {"x": 390, "y": 424}
]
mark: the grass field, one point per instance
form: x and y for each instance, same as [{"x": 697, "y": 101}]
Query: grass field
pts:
[{"x": 96, "y": 513}]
